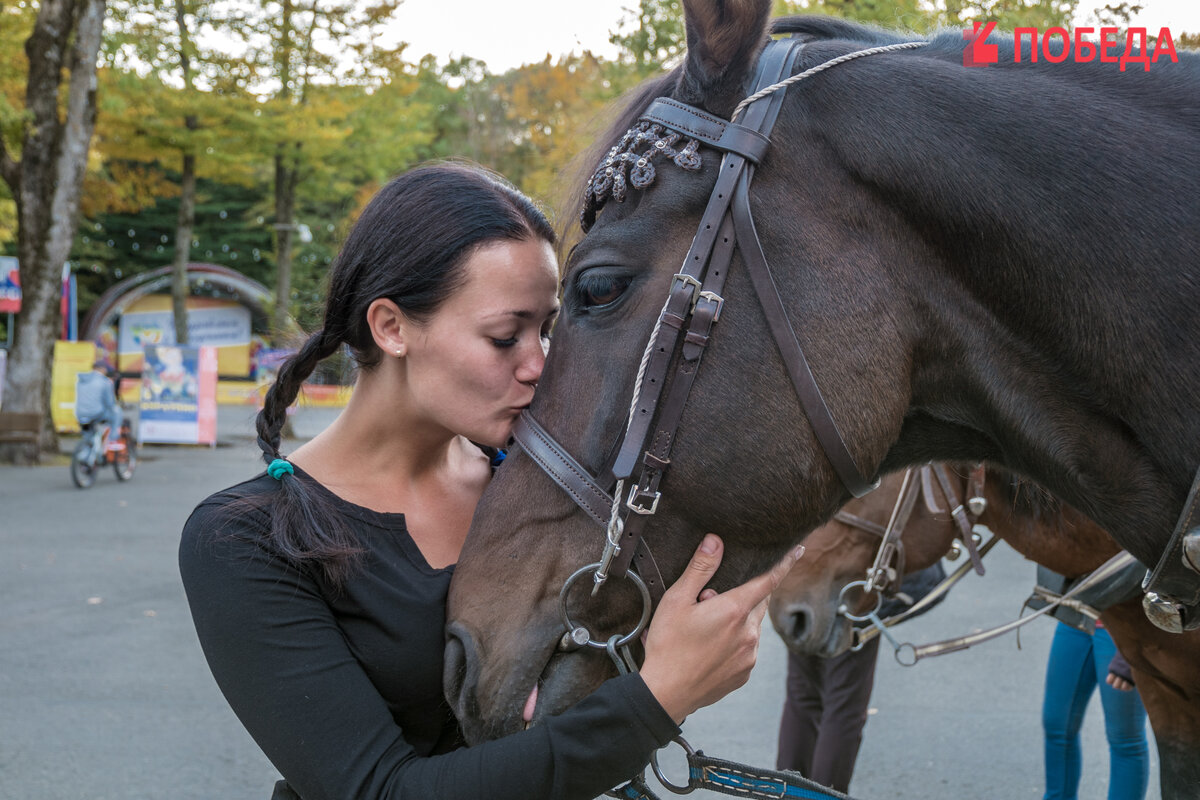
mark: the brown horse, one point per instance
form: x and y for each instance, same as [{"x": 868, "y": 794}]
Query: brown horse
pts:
[
  {"x": 992, "y": 264},
  {"x": 804, "y": 609}
]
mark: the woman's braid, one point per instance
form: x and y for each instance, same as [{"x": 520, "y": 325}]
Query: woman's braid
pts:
[{"x": 286, "y": 389}]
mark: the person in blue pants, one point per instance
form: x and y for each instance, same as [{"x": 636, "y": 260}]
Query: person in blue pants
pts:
[{"x": 1079, "y": 663}]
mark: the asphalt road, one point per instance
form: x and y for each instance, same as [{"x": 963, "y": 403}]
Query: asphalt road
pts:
[{"x": 104, "y": 694}]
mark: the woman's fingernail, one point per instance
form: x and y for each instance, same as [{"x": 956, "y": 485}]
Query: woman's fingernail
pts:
[
  {"x": 709, "y": 545},
  {"x": 799, "y": 551}
]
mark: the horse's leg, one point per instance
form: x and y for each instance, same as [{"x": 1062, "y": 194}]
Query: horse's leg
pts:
[
  {"x": 1169, "y": 684},
  {"x": 1177, "y": 736}
]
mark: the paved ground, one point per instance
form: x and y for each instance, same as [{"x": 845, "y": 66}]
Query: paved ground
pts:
[{"x": 104, "y": 694}]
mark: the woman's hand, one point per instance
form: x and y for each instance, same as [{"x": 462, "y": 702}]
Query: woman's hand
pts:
[{"x": 702, "y": 645}]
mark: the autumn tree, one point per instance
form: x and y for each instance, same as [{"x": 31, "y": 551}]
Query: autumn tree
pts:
[
  {"x": 154, "y": 64},
  {"x": 651, "y": 37},
  {"x": 296, "y": 50},
  {"x": 43, "y": 156}
]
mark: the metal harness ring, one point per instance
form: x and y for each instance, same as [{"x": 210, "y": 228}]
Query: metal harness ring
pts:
[
  {"x": 844, "y": 609},
  {"x": 658, "y": 773},
  {"x": 627, "y": 638}
]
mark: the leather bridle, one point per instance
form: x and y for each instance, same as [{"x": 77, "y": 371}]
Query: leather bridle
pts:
[
  {"x": 884, "y": 576},
  {"x": 682, "y": 334}
]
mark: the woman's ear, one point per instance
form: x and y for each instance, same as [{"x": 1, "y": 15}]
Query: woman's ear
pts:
[{"x": 389, "y": 327}]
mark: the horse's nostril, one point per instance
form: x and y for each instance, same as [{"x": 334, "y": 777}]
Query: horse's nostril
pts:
[
  {"x": 798, "y": 626},
  {"x": 459, "y": 670}
]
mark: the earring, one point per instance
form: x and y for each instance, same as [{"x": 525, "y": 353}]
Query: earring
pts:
[{"x": 399, "y": 352}]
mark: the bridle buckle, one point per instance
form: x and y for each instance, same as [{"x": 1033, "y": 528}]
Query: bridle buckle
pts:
[
  {"x": 636, "y": 498},
  {"x": 713, "y": 298},
  {"x": 697, "y": 288}
]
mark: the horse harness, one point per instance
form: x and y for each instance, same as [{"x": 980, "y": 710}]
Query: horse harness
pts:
[
  {"x": 1172, "y": 590},
  {"x": 883, "y": 576},
  {"x": 685, "y": 325},
  {"x": 889, "y": 559}
]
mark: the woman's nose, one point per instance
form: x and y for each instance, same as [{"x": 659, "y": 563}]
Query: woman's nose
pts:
[{"x": 532, "y": 361}]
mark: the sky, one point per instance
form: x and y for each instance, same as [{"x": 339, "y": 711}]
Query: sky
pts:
[{"x": 509, "y": 33}]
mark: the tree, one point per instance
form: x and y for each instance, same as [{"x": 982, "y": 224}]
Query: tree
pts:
[
  {"x": 43, "y": 156},
  {"x": 296, "y": 52},
  {"x": 652, "y": 37}
]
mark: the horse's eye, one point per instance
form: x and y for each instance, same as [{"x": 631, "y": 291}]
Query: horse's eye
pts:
[{"x": 595, "y": 289}]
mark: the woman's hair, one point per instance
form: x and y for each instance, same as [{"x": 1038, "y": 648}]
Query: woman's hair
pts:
[{"x": 410, "y": 246}]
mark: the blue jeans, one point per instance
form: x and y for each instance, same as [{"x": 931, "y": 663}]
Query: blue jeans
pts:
[
  {"x": 1078, "y": 664},
  {"x": 112, "y": 418}
]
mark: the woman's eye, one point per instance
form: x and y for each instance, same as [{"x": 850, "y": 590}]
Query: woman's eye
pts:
[
  {"x": 595, "y": 290},
  {"x": 505, "y": 342}
]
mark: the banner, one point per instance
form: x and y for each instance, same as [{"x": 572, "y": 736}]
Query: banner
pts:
[
  {"x": 179, "y": 395},
  {"x": 70, "y": 359},
  {"x": 224, "y": 324},
  {"x": 10, "y": 285}
]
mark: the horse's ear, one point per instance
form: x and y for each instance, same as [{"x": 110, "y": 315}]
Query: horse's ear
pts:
[{"x": 724, "y": 38}]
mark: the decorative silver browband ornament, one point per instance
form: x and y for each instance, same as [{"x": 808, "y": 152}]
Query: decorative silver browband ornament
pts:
[{"x": 609, "y": 179}]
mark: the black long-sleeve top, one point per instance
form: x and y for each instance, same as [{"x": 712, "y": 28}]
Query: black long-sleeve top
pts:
[{"x": 342, "y": 688}]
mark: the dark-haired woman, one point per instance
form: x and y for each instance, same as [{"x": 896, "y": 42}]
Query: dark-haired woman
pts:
[{"x": 318, "y": 588}]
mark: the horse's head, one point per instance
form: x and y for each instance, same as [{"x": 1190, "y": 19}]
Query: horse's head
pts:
[
  {"x": 805, "y": 607},
  {"x": 744, "y": 461}
]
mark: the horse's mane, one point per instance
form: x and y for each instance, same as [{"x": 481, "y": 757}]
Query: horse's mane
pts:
[{"x": 1024, "y": 497}]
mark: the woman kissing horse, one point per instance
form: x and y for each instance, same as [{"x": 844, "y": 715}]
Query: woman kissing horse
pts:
[
  {"x": 997, "y": 263},
  {"x": 805, "y": 607}
]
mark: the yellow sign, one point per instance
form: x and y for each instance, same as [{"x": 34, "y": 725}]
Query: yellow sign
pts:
[
  {"x": 225, "y": 324},
  {"x": 70, "y": 359}
]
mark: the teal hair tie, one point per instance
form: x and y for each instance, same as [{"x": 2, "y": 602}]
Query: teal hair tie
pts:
[{"x": 279, "y": 466}]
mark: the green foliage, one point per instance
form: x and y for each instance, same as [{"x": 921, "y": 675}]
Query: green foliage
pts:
[
  {"x": 316, "y": 84},
  {"x": 652, "y": 36},
  {"x": 229, "y": 231}
]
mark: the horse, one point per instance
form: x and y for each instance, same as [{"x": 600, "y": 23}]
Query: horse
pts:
[
  {"x": 804, "y": 609},
  {"x": 809, "y": 608},
  {"x": 984, "y": 264}
]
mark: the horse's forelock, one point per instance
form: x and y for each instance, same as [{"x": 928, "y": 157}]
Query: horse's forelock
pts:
[{"x": 626, "y": 111}]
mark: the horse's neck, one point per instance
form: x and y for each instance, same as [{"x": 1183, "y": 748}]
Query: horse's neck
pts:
[
  {"x": 1041, "y": 529},
  {"x": 1053, "y": 290}
]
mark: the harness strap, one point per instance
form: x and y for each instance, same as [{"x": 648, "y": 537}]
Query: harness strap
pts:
[
  {"x": 565, "y": 470},
  {"x": 862, "y": 523},
  {"x": 882, "y": 572},
  {"x": 959, "y": 513},
  {"x": 690, "y": 279},
  {"x": 724, "y": 135},
  {"x": 707, "y": 304},
  {"x": 819, "y": 416}
]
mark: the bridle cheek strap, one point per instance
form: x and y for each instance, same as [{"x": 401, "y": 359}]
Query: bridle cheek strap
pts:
[{"x": 581, "y": 487}]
